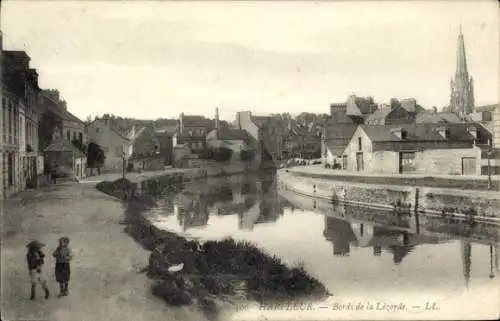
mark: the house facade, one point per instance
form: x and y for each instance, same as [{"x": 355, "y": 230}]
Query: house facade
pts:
[
  {"x": 66, "y": 159},
  {"x": 192, "y": 131},
  {"x": 116, "y": 147},
  {"x": 146, "y": 151},
  {"x": 18, "y": 148},
  {"x": 415, "y": 149},
  {"x": 234, "y": 139}
]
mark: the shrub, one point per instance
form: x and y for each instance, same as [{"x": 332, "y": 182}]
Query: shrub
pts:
[
  {"x": 222, "y": 154},
  {"x": 247, "y": 155}
]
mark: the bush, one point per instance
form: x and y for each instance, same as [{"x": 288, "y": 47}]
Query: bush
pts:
[
  {"x": 247, "y": 155},
  {"x": 222, "y": 154}
]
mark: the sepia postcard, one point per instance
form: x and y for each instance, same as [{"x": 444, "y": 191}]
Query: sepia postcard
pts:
[{"x": 249, "y": 160}]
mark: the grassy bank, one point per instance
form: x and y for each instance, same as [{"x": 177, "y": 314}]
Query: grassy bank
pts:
[{"x": 214, "y": 271}]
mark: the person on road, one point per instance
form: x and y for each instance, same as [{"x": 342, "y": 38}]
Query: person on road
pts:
[
  {"x": 63, "y": 256},
  {"x": 35, "y": 260},
  {"x": 53, "y": 174}
]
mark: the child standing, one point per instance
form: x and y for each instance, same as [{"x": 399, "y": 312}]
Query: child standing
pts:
[
  {"x": 35, "y": 260},
  {"x": 63, "y": 256}
]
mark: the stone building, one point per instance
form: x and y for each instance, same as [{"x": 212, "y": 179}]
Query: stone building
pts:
[
  {"x": 496, "y": 128},
  {"x": 192, "y": 131},
  {"x": 19, "y": 157},
  {"x": 416, "y": 149},
  {"x": 462, "y": 87},
  {"x": 117, "y": 148}
]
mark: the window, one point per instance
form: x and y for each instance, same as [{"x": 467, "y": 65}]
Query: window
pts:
[
  {"x": 344, "y": 162},
  {"x": 404, "y": 134},
  {"x": 407, "y": 162},
  {"x": 74, "y": 135},
  {"x": 68, "y": 135},
  {"x": 80, "y": 137}
]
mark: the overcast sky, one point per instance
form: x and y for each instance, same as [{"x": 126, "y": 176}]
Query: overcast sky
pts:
[{"x": 157, "y": 59}]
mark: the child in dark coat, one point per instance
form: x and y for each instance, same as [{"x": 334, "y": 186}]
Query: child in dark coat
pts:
[
  {"x": 63, "y": 256},
  {"x": 35, "y": 260}
]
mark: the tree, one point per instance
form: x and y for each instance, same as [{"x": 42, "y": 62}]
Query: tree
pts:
[
  {"x": 95, "y": 156},
  {"x": 222, "y": 154},
  {"x": 247, "y": 155},
  {"x": 78, "y": 144}
]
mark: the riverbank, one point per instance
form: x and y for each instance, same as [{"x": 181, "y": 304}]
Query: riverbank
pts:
[
  {"x": 217, "y": 275},
  {"x": 480, "y": 204},
  {"x": 107, "y": 282},
  {"x": 478, "y": 183}
]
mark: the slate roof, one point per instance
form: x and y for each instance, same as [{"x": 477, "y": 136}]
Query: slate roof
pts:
[
  {"x": 378, "y": 117},
  {"x": 410, "y": 104},
  {"x": 260, "y": 120},
  {"x": 197, "y": 121},
  {"x": 232, "y": 134},
  {"x": 489, "y": 108},
  {"x": 364, "y": 105},
  {"x": 166, "y": 130},
  {"x": 435, "y": 118},
  {"x": 338, "y": 136},
  {"x": 60, "y": 145},
  {"x": 423, "y": 132}
]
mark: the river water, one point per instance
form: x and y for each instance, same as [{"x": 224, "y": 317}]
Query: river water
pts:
[{"x": 350, "y": 250}]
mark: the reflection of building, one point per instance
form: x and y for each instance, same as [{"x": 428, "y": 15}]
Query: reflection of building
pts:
[
  {"x": 340, "y": 233},
  {"x": 465, "y": 247},
  {"x": 191, "y": 213}
]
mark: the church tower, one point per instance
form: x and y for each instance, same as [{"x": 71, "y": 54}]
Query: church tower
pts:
[{"x": 462, "y": 88}]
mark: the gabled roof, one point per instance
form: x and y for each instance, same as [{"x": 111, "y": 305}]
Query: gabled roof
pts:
[
  {"x": 232, "y": 134},
  {"x": 436, "y": 118},
  {"x": 410, "y": 104},
  {"x": 197, "y": 121},
  {"x": 60, "y": 145},
  {"x": 166, "y": 130},
  {"x": 338, "y": 136},
  {"x": 108, "y": 127},
  {"x": 421, "y": 132},
  {"x": 261, "y": 120},
  {"x": 489, "y": 108},
  {"x": 378, "y": 117},
  {"x": 69, "y": 116}
]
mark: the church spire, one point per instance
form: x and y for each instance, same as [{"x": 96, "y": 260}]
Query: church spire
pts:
[
  {"x": 462, "y": 87},
  {"x": 461, "y": 59}
]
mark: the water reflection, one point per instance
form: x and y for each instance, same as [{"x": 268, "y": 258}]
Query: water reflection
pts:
[{"x": 340, "y": 245}]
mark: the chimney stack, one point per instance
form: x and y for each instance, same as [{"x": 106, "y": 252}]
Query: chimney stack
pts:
[
  {"x": 181, "y": 123},
  {"x": 216, "y": 118}
]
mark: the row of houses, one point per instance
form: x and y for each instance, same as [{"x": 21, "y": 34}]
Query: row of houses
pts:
[
  {"x": 402, "y": 137},
  {"x": 37, "y": 131}
]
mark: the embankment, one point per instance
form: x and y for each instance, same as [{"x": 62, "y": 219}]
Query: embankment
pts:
[
  {"x": 214, "y": 272},
  {"x": 483, "y": 205}
]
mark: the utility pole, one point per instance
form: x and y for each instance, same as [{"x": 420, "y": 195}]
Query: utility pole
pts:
[{"x": 123, "y": 165}]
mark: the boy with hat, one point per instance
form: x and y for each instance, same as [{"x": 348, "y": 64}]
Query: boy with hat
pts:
[{"x": 35, "y": 260}]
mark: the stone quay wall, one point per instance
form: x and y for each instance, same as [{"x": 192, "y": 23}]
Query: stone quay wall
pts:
[{"x": 482, "y": 205}]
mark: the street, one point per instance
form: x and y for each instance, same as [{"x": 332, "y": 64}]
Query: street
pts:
[{"x": 106, "y": 282}]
